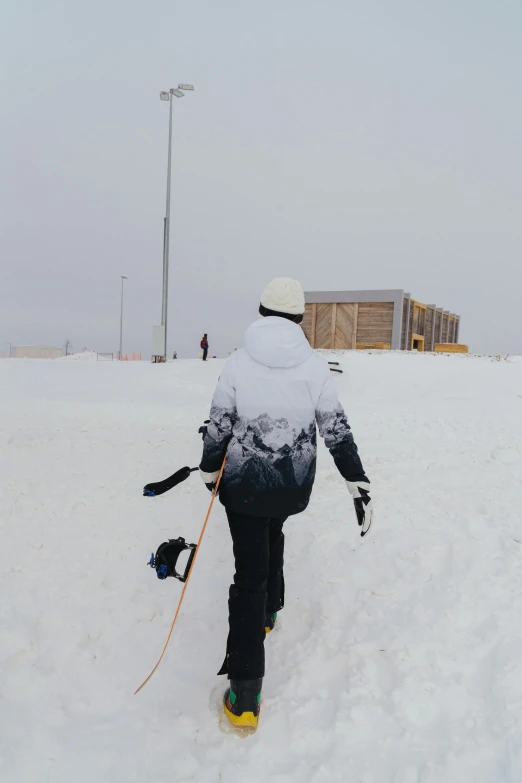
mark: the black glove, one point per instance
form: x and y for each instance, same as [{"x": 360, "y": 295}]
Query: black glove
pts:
[
  {"x": 360, "y": 492},
  {"x": 203, "y": 430},
  {"x": 209, "y": 479}
]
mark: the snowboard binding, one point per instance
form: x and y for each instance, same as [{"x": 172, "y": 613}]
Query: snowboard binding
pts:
[{"x": 165, "y": 559}]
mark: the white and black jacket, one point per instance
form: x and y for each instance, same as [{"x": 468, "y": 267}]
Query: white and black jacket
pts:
[{"x": 263, "y": 417}]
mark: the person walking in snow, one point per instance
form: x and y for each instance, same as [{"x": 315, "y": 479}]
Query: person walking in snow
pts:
[
  {"x": 204, "y": 344},
  {"x": 268, "y": 400}
]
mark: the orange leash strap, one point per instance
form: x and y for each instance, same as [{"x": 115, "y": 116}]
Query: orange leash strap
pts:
[{"x": 214, "y": 493}]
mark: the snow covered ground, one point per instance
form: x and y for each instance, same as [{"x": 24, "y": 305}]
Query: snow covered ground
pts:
[{"x": 398, "y": 657}]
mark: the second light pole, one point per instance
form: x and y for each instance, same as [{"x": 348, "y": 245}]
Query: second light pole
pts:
[{"x": 168, "y": 96}]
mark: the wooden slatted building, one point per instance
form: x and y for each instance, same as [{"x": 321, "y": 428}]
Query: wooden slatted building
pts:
[{"x": 387, "y": 320}]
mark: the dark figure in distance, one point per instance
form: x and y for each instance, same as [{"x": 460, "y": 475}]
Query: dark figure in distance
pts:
[{"x": 204, "y": 345}]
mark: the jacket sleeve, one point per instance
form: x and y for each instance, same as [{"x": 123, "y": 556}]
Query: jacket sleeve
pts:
[
  {"x": 222, "y": 417},
  {"x": 334, "y": 428}
]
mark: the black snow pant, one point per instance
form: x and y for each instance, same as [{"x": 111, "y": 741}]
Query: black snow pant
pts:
[
  {"x": 258, "y": 589},
  {"x": 205, "y": 354}
]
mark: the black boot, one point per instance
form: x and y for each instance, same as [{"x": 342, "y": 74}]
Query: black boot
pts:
[{"x": 241, "y": 702}]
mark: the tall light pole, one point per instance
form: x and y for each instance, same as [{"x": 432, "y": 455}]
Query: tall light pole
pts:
[
  {"x": 168, "y": 96},
  {"x": 121, "y": 314}
]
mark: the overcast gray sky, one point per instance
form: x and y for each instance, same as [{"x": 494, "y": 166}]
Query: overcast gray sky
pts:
[{"x": 348, "y": 143}]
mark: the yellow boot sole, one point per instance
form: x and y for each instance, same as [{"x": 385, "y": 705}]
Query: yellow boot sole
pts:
[{"x": 245, "y": 721}]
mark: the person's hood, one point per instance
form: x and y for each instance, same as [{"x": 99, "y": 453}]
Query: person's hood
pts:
[{"x": 277, "y": 342}]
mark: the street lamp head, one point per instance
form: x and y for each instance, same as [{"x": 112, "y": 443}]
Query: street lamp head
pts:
[
  {"x": 164, "y": 96},
  {"x": 177, "y": 93},
  {"x": 186, "y": 87},
  {"x": 123, "y": 277}
]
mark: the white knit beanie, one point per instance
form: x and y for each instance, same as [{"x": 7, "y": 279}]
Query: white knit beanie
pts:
[{"x": 284, "y": 295}]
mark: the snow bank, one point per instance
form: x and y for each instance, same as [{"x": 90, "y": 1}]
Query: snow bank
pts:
[
  {"x": 396, "y": 658},
  {"x": 83, "y": 356}
]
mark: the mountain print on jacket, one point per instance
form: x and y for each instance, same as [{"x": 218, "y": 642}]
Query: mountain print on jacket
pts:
[
  {"x": 271, "y": 464},
  {"x": 275, "y": 443}
]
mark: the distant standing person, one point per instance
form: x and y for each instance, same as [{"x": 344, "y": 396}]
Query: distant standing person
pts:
[{"x": 204, "y": 345}]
